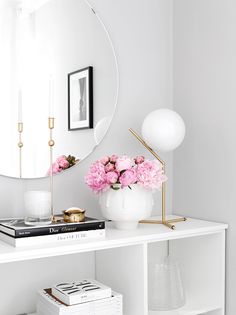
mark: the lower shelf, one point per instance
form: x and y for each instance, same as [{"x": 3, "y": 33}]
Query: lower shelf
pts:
[{"x": 185, "y": 311}]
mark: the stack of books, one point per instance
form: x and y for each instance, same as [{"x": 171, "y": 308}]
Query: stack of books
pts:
[
  {"x": 16, "y": 233},
  {"x": 87, "y": 297}
]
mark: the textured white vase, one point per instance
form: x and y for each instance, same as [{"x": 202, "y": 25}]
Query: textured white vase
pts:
[{"x": 126, "y": 206}]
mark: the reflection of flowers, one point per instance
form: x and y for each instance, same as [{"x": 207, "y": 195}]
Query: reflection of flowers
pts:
[
  {"x": 119, "y": 172},
  {"x": 62, "y": 163}
]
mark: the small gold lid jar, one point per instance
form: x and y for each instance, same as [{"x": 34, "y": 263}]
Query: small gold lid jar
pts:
[{"x": 73, "y": 215}]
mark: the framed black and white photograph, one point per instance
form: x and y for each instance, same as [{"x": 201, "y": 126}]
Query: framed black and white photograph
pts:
[{"x": 80, "y": 99}]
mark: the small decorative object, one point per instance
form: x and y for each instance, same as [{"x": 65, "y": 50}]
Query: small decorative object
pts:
[
  {"x": 81, "y": 291},
  {"x": 74, "y": 214},
  {"x": 37, "y": 207},
  {"x": 165, "y": 285},
  {"x": 162, "y": 129},
  {"x": 125, "y": 186},
  {"x": 80, "y": 99},
  {"x": 62, "y": 163}
]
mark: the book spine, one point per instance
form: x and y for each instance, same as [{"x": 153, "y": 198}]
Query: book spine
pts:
[
  {"x": 46, "y": 239},
  {"x": 67, "y": 228}
]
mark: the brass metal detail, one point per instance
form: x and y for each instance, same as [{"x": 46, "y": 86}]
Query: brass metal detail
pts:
[
  {"x": 20, "y": 146},
  {"x": 51, "y": 143},
  {"x": 74, "y": 215},
  {"x": 51, "y": 122}
]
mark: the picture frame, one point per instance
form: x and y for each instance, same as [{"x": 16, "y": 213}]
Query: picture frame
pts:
[{"x": 80, "y": 99}]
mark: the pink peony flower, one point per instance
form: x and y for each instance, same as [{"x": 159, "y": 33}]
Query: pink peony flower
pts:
[
  {"x": 139, "y": 159},
  {"x": 107, "y": 172},
  {"x": 128, "y": 177},
  {"x": 109, "y": 167},
  {"x": 123, "y": 163},
  {"x": 112, "y": 177},
  {"x": 104, "y": 160},
  {"x": 96, "y": 178},
  {"x": 62, "y": 162},
  {"x": 55, "y": 169},
  {"x": 113, "y": 158},
  {"x": 150, "y": 174}
]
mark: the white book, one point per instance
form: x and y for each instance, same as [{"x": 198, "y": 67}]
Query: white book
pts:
[
  {"x": 42, "y": 310},
  {"x": 56, "y": 238},
  {"x": 47, "y": 304},
  {"x": 77, "y": 292}
]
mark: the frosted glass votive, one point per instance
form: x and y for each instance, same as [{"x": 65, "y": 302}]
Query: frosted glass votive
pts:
[
  {"x": 166, "y": 291},
  {"x": 37, "y": 207}
]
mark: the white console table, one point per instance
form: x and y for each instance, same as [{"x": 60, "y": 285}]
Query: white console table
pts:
[{"x": 121, "y": 261}]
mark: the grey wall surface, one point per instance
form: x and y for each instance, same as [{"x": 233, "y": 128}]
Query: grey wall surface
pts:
[{"x": 205, "y": 96}]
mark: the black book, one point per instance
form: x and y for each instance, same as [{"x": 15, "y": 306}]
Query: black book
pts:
[{"x": 17, "y": 228}]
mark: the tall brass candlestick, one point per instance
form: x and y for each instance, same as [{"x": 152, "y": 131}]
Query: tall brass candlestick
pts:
[
  {"x": 20, "y": 146},
  {"x": 51, "y": 143}
]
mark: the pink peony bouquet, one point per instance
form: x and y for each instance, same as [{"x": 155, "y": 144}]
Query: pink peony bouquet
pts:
[
  {"x": 62, "y": 163},
  {"x": 119, "y": 172}
]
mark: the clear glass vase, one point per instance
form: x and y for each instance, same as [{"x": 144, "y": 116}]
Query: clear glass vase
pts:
[{"x": 165, "y": 289}]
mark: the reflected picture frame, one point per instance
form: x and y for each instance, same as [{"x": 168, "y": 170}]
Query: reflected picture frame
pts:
[{"x": 80, "y": 99}]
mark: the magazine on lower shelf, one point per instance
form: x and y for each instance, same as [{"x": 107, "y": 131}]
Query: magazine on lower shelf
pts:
[{"x": 47, "y": 304}]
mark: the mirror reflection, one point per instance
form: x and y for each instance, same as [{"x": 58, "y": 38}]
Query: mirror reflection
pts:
[{"x": 56, "y": 61}]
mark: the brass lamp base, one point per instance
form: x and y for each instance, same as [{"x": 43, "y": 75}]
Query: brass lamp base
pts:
[{"x": 167, "y": 222}]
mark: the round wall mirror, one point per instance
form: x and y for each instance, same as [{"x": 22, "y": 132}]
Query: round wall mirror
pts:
[{"x": 57, "y": 61}]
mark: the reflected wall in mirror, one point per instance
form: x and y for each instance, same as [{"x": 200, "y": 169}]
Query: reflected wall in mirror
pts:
[{"x": 42, "y": 41}]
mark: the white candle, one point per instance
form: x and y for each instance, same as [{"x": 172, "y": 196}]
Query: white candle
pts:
[
  {"x": 20, "y": 106},
  {"x": 37, "y": 203},
  {"x": 51, "y": 97}
]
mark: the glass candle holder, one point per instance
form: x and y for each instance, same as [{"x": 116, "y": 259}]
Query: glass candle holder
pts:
[
  {"x": 166, "y": 290},
  {"x": 37, "y": 207}
]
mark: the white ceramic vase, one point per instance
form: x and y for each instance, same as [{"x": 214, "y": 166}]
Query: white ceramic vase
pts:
[{"x": 126, "y": 206}]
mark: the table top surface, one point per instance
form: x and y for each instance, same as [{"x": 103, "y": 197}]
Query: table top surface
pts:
[{"x": 145, "y": 233}]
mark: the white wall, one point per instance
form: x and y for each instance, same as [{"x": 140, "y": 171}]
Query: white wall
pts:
[
  {"x": 142, "y": 34},
  {"x": 204, "y": 94}
]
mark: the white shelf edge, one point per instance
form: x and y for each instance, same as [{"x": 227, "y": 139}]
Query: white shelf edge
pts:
[
  {"x": 146, "y": 233},
  {"x": 185, "y": 311}
]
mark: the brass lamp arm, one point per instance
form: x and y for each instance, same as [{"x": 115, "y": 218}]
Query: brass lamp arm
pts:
[
  {"x": 166, "y": 222},
  {"x": 147, "y": 147}
]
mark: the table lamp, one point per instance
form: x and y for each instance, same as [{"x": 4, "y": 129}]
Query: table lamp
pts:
[{"x": 162, "y": 130}]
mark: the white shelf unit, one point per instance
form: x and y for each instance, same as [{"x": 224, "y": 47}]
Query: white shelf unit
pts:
[{"x": 121, "y": 261}]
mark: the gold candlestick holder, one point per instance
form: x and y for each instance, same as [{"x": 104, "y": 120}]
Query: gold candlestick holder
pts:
[
  {"x": 20, "y": 146},
  {"x": 51, "y": 144},
  {"x": 164, "y": 220}
]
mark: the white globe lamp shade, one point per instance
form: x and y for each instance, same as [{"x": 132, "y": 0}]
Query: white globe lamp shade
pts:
[{"x": 163, "y": 129}]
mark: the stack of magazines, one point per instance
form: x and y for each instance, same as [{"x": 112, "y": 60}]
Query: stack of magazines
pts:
[
  {"x": 86, "y": 297},
  {"x": 16, "y": 233}
]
